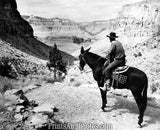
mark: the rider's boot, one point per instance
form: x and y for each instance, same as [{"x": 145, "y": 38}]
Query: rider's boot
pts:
[{"x": 106, "y": 86}]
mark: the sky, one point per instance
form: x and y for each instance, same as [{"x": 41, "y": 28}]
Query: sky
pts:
[{"x": 76, "y": 10}]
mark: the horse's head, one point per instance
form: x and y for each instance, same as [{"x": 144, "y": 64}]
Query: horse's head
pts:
[{"x": 82, "y": 60}]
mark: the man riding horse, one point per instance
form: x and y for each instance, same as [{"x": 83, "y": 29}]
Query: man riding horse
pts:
[
  {"x": 116, "y": 56},
  {"x": 136, "y": 80}
]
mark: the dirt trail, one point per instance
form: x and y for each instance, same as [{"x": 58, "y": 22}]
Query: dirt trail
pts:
[{"x": 82, "y": 105}]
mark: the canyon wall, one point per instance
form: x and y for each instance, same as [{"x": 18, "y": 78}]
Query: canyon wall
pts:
[
  {"x": 56, "y": 27},
  {"x": 19, "y": 34},
  {"x": 140, "y": 19}
]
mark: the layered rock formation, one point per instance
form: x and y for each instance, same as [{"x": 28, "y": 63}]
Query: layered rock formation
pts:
[
  {"x": 62, "y": 32},
  {"x": 55, "y": 27},
  {"x": 97, "y": 27},
  {"x": 140, "y": 19},
  {"x": 17, "y": 32},
  {"x": 148, "y": 12},
  {"x": 145, "y": 17}
]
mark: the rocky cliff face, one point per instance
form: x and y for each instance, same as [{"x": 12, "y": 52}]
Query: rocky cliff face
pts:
[
  {"x": 97, "y": 27},
  {"x": 148, "y": 12},
  {"x": 19, "y": 34},
  {"x": 11, "y": 21},
  {"x": 55, "y": 27},
  {"x": 140, "y": 19},
  {"x": 145, "y": 17}
]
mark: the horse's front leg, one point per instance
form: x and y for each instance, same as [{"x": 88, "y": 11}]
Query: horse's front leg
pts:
[{"x": 104, "y": 97}]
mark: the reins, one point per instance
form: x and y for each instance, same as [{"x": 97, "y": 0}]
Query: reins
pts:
[
  {"x": 82, "y": 55},
  {"x": 99, "y": 59}
]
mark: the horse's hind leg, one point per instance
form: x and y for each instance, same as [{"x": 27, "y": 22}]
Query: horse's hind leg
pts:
[
  {"x": 139, "y": 100},
  {"x": 141, "y": 111}
]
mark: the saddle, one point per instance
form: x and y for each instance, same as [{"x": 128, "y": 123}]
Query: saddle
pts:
[
  {"x": 121, "y": 69},
  {"x": 118, "y": 77}
]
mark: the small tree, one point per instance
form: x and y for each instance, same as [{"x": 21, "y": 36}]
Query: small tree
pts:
[
  {"x": 6, "y": 68},
  {"x": 56, "y": 61},
  {"x": 78, "y": 40}
]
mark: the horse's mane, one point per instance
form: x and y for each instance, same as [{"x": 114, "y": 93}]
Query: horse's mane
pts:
[
  {"x": 93, "y": 60},
  {"x": 95, "y": 55}
]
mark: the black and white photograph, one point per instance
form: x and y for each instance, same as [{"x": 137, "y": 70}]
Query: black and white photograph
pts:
[{"x": 79, "y": 64}]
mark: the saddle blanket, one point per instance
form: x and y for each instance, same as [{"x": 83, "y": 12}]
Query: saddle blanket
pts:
[{"x": 120, "y": 78}]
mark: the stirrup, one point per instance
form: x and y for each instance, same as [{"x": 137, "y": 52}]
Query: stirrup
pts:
[
  {"x": 107, "y": 85},
  {"x": 103, "y": 88},
  {"x": 108, "y": 88}
]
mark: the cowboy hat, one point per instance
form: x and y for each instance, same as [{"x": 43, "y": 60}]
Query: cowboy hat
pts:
[{"x": 112, "y": 35}]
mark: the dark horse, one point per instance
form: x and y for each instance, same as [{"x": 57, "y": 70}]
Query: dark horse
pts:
[{"x": 137, "y": 80}]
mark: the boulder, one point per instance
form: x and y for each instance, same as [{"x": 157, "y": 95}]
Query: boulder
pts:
[
  {"x": 9, "y": 97},
  {"x": 9, "y": 94},
  {"x": 37, "y": 120},
  {"x": 19, "y": 108},
  {"x": 44, "y": 108},
  {"x": 18, "y": 117},
  {"x": 30, "y": 87},
  {"x": 10, "y": 108}
]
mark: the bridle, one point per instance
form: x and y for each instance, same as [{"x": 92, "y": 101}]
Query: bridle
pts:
[{"x": 82, "y": 56}]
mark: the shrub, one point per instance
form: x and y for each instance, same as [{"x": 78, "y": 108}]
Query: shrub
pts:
[
  {"x": 50, "y": 80},
  {"x": 139, "y": 54},
  {"x": 135, "y": 55},
  {"x": 78, "y": 40},
  {"x": 6, "y": 68},
  {"x": 5, "y": 84},
  {"x": 154, "y": 87}
]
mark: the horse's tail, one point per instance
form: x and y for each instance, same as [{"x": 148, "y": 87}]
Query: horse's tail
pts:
[{"x": 144, "y": 93}]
